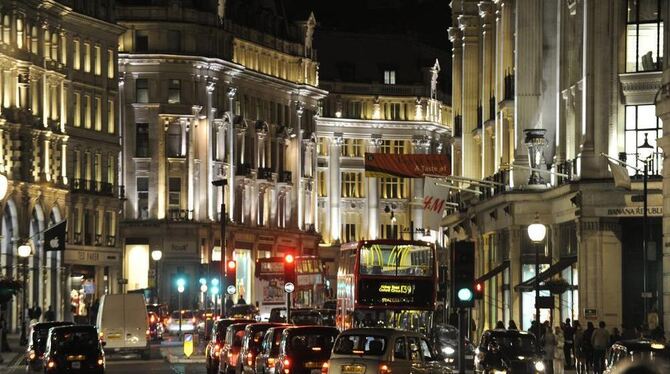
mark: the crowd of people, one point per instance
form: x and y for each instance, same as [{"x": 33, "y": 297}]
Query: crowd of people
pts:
[{"x": 570, "y": 346}]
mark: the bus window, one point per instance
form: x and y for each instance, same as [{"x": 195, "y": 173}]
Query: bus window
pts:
[{"x": 388, "y": 259}]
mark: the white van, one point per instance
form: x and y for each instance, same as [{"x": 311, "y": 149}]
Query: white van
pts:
[{"x": 123, "y": 325}]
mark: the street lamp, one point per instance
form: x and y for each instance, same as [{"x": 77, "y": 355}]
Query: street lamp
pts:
[
  {"x": 24, "y": 252},
  {"x": 537, "y": 232},
  {"x": 156, "y": 255},
  {"x": 222, "y": 183},
  {"x": 180, "y": 289},
  {"x": 645, "y": 152}
]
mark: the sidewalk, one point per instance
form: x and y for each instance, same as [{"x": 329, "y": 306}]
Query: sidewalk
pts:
[
  {"x": 174, "y": 353},
  {"x": 9, "y": 358}
]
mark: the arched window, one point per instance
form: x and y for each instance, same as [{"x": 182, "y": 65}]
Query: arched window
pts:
[
  {"x": 6, "y": 29},
  {"x": 19, "y": 32},
  {"x": 54, "y": 46},
  {"x": 34, "y": 40},
  {"x": 47, "y": 43}
]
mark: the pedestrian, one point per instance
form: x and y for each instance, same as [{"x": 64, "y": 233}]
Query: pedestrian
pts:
[
  {"x": 600, "y": 342},
  {"x": 37, "y": 312},
  {"x": 4, "y": 327},
  {"x": 657, "y": 334},
  {"x": 587, "y": 346},
  {"x": 559, "y": 353},
  {"x": 500, "y": 325},
  {"x": 241, "y": 301},
  {"x": 615, "y": 337},
  {"x": 50, "y": 315},
  {"x": 535, "y": 330},
  {"x": 577, "y": 336},
  {"x": 568, "y": 333},
  {"x": 511, "y": 325},
  {"x": 549, "y": 349}
]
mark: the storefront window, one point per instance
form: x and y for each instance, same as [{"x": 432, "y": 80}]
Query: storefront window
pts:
[
  {"x": 644, "y": 35},
  {"x": 244, "y": 274},
  {"x": 82, "y": 291},
  {"x": 528, "y": 298},
  {"x": 570, "y": 298},
  {"x": 641, "y": 120}
]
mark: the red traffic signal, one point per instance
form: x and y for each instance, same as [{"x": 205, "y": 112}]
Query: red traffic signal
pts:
[
  {"x": 479, "y": 290},
  {"x": 231, "y": 273},
  {"x": 289, "y": 258},
  {"x": 232, "y": 265},
  {"x": 289, "y": 269}
]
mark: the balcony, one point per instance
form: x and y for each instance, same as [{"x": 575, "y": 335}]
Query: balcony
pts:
[
  {"x": 92, "y": 187},
  {"x": 285, "y": 176},
  {"x": 568, "y": 167},
  {"x": 179, "y": 215},
  {"x": 243, "y": 170},
  {"x": 111, "y": 241},
  {"x": 265, "y": 173}
]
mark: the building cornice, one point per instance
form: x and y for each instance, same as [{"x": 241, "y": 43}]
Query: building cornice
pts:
[{"x": 329, "y": 124}]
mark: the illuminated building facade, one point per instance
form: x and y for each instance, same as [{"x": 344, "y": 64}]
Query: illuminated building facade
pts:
[
  {"x": 567, "y": 80},
  {"x": 208, "y": 92},
  {"x": 60, "y": 149}
]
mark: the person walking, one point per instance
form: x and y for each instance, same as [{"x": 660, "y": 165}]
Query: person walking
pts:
[
  {"x": 568, "y": 333},
  {"x": 577, "y": 336},
  {"x": 559, "y": 353},
  {"x": 587, "y": 347},
  {"x": 3, "y": 334},
  {"x": 549, "y": 349},
  {"x": 615, "y": 337},
  {"x": 500, "y": 325},
  {"x": 50, "y": 315},
  {"x": 511, "y": 325},
  {"x": 600, "y": 341}
]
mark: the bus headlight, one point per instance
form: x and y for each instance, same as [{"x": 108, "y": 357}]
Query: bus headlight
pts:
[
  {"x": 539, "y": 365},
  {"x": 448, "y": 351}
]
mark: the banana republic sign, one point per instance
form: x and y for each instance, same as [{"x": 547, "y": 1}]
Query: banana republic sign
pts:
[{"x": 629, "y": 211}]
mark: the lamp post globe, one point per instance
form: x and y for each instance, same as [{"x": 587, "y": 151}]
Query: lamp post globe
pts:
[
  {"x": 156, "y": 254},
  {"x": 4, "y": 184},
  {"x": 537, "y": 232},
  {"x": 24, "y": 250},
  {"x": 645, "y": 150}
]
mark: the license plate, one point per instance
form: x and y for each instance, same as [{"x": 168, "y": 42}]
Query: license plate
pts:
[
  {"x": 114, "y": 336},
  {"x": 469, "y": 357},
  {"x": 313, "y": 365},
  {"x": 353, "y": 369},
  {"x": 76, "y": 365}
]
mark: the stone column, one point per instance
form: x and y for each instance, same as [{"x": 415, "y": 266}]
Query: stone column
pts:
[
  {"x": 663, "y": 111},
  {"x": 488, "y": 45},
  {"x": 421, "y": 146},
  {"x": 471, "y": 163},
  {"x": 334, "y": 181},
  {"x": 456, "y": 38},
  {"x": 299, "y": 157},
  {"x": 211, "y": 134},
  {"x": 232, "y": 91},
  {"x": 373, "y": 192},
  {"x": 514, "y": 243}
]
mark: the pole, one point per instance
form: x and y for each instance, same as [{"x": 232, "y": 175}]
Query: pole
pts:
[
  {"x": 288, "y": 307},
  {"x": 24, "y": 338},
  {"x": 223, "y": 255},
  {"x": 156, "y": 282},
  {"x": 180, "y": 313},
  {"x": 644, "y": 245},
  {"x": 537, "y": 296},
  {"x": 461, "y": 340}
]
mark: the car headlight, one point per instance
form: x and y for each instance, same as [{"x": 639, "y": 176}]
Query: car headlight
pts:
[
  {"x": 539, "y": 365},
  {"x": 448, "y": 351}
]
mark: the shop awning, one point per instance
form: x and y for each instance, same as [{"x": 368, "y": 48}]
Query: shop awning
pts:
[
  {"x": 493, "y": 272},
  {"x": 554, "y": 269}
]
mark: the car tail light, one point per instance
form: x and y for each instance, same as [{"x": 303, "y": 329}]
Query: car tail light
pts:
[
  {"x": 51, "y": 364},
  {"x": 31, "y": 355},
  {"x": 193, "y": 319},
  {"x": 101, "y": 361},
  {"x": 287, "y": 365},
  {"x": 384, "y": 369},
  {"x": 271, "y": 362},
  {"x": 148, "y": 332},
  {"x": 324, "y": 368},
  {"x": 250, "y": 359}
]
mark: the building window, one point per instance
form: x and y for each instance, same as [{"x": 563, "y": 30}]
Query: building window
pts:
[
  {"x": 644, "y": 35},
  {"x": 393, "y": 146},
  {"x": 141, "y": 41},
  {"x": 352, "y": 184},
  {"x": 110, "y": 222},
  {"x": 174, "y": 140},
  {"x": 110, "y": 169},
  {"x": 322, "y": 183},
  {"x": 111, "y": 125},
  {"x": 98, "y": 60},
  {"x": 54, "y": 46},
  {"x": 110, "y": 64},
  {"x": 87, "y": 57},
  {"x": 389, "y": 76},
  {"x": 354, "y": 109},
  {"x": 641, "y": 120},
  {"x": 143, "y": 197},
  {"x": 63, "y": 49},
  {"x": 77, "y": 55},
  {"x": 87, "y": 111},
  {"x": 174, "y": 91},
  {"x": 142, "y": 140},
  {"x": 174, "y": 40},
  {"x": 98, "y": 114},
  {"x": 353, "y": 148},
  {"x": 322, "y": 146},
  {"x": 142, "y": 90},
  {"x": 349, "y": 232},
  {"x": 174, "y": 193},
  {"x": 19, "y": 32},
  {"x": 394, "y": 111},
  {"x": 393, "y": 188},
  {"x": 77, "y": 109},
  {"x": 97, "y": 167},
  {"x": 77, "y": 164}
]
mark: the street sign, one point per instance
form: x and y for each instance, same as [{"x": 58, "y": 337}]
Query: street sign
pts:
[
  {"x": 289, "y": 287},
  {"x": 646, "y": 295},
  {"x": 188, "y": 345},
  {"x": 590, "y": 313},
  {"x": 231, "y": 290}
]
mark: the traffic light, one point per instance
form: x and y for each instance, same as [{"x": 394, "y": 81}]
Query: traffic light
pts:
[
  {"x": 289, "y": 269},
  {"x": 463, "y": 274},
  {"x": 479, "y": 290},
  {"x": 231, "y": 273}
]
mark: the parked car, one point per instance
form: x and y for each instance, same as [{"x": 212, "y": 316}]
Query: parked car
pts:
[
  {"x": 305, "y": 349},
  {"x": 188, "y": 322},
  {"x": 251, "y": 345},
  {"x": 216, "y": 341},
  {"x": 155, "y": 327},
  {"x": 161, "y": 311},
  {"x": 74, "y": 348},
  {"x": 508, "y": 351},
  {"x": 277, "y": 315},
  {"x": 305, "y": 317},
  {"x": 246, "y": 311},
  {"x": 383, "y": 350},
  {"x": 230, "y": 353},
  {"x": 123, "y": 324},
  {"x": 626, "y": 352},
  {"x": 37, "y": 343},
  {"x": 444, "y": 339},
  {"x": 206, "y": 320},
  {"x": 267, "y": 357}
]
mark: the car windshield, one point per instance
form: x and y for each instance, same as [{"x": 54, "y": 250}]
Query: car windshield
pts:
[
  {"x": 242, "y": 310},
  {"x": 69, "y": 340},
  {"x": 306, "y": 318},
  {"x": 185, "y": 314},
  {"x": 256, "y": 339},
  {"x": 389, "y": 259},
  {"x": 515, "y": 344},
  {"x": 360, "y": 344},
  {"x": 40, "y": 335},
  {"x": 311, "y": 344},
  {"x": 446, "y": 333}
]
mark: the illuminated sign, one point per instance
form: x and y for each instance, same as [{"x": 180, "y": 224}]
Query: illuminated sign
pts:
[
  {"x": 406, "y": 289},
  {"x": 415, "y": 294}
]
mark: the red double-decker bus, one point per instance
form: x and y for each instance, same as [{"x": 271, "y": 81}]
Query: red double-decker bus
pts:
[{"x": 390, "y": 283}]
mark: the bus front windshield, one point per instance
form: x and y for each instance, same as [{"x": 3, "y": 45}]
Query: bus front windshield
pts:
[{"x": 390, "y": 259}]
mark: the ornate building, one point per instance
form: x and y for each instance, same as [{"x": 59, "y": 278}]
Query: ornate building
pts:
[
  {"x": 564, "y": 82},
  {"x": 379, "y": 101},
  {"x": 215, "y": 90},
  {"x": 60, "y": 148}
]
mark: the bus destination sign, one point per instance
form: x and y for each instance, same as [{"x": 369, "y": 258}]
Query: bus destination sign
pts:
[{"x": 407, "y": 293}]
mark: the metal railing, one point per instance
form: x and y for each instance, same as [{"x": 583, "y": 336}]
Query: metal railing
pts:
[
  {"x": 568, "y": 167},
  {"x": 94, "y": 187},
  {"x": 174, "y": 214}
]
